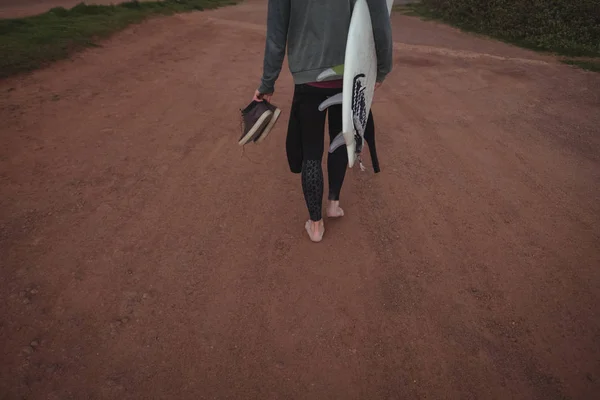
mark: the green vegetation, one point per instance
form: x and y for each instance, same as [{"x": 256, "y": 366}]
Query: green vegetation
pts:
[
  {"x": 590, "y": 64},
  {"x": 416, "y": 10},
  {"x": 565, "y": 27},
  {"x": 31, "y": 42}
]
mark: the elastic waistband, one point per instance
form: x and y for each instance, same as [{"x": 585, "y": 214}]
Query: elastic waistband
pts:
[
  {"x": 336, "y": 84},
  {"x": 308, "y": 89}
]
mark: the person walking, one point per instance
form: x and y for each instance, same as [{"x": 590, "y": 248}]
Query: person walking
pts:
[{"x": 315, "y": 33}]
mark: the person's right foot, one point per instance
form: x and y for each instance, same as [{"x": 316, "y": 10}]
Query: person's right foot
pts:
[
  {"x": 334, "y": 210},
  {"x": 315, "y": 230}
]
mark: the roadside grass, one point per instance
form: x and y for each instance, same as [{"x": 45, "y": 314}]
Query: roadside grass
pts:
[
  {"x": 32, "y": 42},
  {"x": 587, "y": 60},
  {"x": 587, "y": 64},
  {"x": 415, "y": 10}
]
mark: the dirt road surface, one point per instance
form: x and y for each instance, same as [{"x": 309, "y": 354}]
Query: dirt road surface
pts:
[{"x": 144, "y": 257}]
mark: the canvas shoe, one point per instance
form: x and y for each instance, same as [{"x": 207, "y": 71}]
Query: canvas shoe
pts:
[
  {"x": 255, "y": 117},
  {"x": 272, "y": 120}
]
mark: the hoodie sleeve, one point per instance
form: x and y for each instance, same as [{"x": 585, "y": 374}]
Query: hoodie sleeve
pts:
[
  {"x": 382, "y": 33},
  {"x": 278, "y": 17}
]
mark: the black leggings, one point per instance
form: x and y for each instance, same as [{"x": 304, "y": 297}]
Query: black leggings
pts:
[{"x": 305, "y": 146}]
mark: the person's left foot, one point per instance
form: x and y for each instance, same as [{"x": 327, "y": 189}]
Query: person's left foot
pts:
[{"x": 315, "y": 230}]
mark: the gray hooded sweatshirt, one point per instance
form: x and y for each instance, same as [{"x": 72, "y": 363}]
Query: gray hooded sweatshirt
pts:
[{"x": 315, "y": 33}]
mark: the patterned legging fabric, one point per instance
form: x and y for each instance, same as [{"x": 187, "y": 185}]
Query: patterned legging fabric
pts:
[
  {"x": 312, "y": 186},
  {"x": 312, "y": 180}
]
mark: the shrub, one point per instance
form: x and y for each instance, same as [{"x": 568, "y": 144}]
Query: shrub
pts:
[{"x": 569, "y": 27}]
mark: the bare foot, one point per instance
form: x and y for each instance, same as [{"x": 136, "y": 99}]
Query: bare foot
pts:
[
  {"x": 334, "y": 210},
  {"x": 315, "y": 230}
]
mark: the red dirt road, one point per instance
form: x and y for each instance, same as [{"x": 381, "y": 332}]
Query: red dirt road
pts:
[{"x": 143, "y": 257}]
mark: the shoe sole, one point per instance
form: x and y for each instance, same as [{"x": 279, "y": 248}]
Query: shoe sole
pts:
[
  {"x": 260, "y": 124},
  {"x": 269, "y": 126}
]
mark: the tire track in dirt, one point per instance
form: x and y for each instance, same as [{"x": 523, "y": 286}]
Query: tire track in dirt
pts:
[{"x": 413, "y": 48}]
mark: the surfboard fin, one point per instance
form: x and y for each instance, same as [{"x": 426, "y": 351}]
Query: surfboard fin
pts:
[
  {"x": 337, "y": 142},
  {"x": 330, "y": 72},
  {"x": 332, "y": 101}
]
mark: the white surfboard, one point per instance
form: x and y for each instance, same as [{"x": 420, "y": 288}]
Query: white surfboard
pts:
[{"x": 359, "y": 74}]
